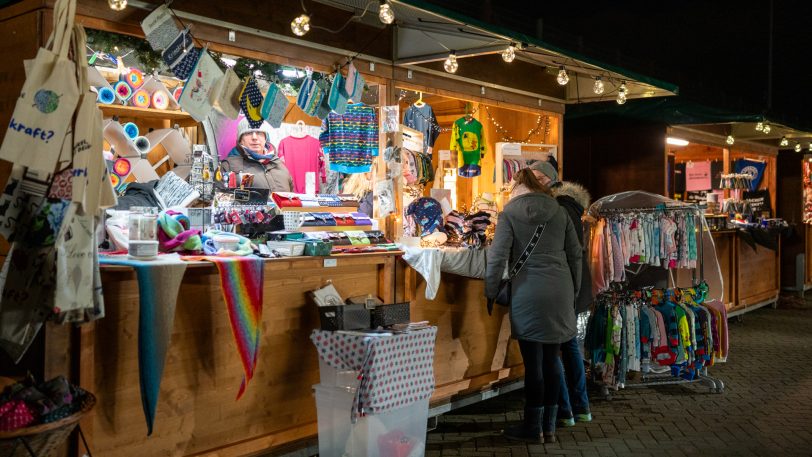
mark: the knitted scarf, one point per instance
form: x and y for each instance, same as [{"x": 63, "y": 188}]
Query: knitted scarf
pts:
[
  {"x": 174, "y": 233},
  {"x": 158, "y": 285}
]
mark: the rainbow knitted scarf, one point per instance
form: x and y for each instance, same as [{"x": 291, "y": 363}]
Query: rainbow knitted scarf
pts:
[{"x": 241, "y": 281}]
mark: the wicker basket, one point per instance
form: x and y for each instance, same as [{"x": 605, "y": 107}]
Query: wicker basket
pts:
[{"x": 43, "y": 439}]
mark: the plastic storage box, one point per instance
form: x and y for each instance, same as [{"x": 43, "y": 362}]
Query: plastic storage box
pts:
[
  {"x": 398, "y": 433},
  {"x": 333, "y": 377}
]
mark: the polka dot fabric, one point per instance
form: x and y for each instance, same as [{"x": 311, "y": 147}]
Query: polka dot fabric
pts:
[{"x": 396, "y": 370}]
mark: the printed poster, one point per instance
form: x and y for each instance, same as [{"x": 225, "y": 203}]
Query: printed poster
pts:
[{"x": 697, "y": 176}]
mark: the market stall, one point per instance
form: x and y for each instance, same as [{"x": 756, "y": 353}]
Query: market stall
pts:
[{"x": 206, "y": 269}]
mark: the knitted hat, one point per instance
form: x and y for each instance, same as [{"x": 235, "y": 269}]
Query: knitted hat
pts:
[
  {"x": 244, "y": 127},
  {"x": 545, "y": 168}
]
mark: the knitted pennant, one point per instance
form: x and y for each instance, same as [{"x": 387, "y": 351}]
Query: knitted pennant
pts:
[{"x": 251, "y": 103}]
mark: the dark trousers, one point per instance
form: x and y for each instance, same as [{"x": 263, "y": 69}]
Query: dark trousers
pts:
[{"x": 541, "y": 373}]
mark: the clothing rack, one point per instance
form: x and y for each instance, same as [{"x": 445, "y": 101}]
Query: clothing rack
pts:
[{"x": 715, "y": 385}]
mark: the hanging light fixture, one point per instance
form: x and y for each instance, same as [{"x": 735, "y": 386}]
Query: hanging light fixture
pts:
[
  {"x": 797, "y": 147},
  {"x": 621, "y": 93},
  {"x": 766, "y": 129},
  {"x": 809, "y": 146},
  {"x": 784, "y": 141},
  {"x": 563, "y": 78},
  {"x": 759, "y": 127},
  {"x": 385, "y": 13},
  {"x": 730, "y": 140},
  {"x": 509, "y": 53},
  {"x": 450, "y": 63},
  {"x": 598, "y": 87},
  {"x": 300, "y": 25},
  {"x": 117, "y": 5}
]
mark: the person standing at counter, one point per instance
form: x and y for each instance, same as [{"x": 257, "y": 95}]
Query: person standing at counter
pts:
[
  {"x": 573, "y": 403},
  {"x": 254, "y": 155},
  {"x": 541, "y": 312}
]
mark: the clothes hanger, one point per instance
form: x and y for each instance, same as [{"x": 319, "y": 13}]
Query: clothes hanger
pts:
[
  {"x": 300, "y": 130},
  {"x": 469, "y": 112},
  {"x": 419, "y": 103}
]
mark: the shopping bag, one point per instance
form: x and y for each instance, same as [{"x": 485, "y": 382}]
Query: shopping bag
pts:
[
  {"x": 48, "y": 99},
  {"x": 74, "y": 298}
]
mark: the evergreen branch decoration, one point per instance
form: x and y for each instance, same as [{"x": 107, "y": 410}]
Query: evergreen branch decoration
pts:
[{"x": 116, "y": 44}]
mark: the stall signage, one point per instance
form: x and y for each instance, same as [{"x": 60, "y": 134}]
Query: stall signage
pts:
[
  {"x": 759, "y": 201},
  {"x": 697, "y": 176},
  {"x": 445, "y": 154}
]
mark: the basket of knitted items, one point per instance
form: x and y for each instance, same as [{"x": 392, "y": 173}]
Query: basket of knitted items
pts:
[{"x": 175, "y": 234}]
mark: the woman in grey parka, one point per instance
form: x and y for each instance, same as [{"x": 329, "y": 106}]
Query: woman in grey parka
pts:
[{"x": 542, "y": 315}]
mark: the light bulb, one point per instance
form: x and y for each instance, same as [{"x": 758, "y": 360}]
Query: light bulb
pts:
[
  {"x": 784, "y": 141},
  {"x": 621, "y": 98},
  {"x": 563, "y": 78},
  {"x": 301, "y": 25},
  {"x": 809, "y": 146},
  {"x": 598, "y": 86},
  {"x": 766, "y": 129},
  {"x": 450, "y": 63},
  {"x": 760, "y": 127},
  {"x": 797, "y": 147},
  {"x": 509, "y": 53},
  {"x": 117, "y": 5},
  {"x": 730, "y": 140},
  {"x": 385, "y": 14}
]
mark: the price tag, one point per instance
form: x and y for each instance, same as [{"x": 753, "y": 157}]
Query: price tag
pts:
[
  {"x": 330, "y": 263},
  {"x": 445, "y": 154}
]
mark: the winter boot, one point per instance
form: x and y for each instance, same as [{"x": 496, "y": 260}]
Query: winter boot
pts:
[
  {"x": 548, "y": 423},
  {"x": 530, "y": 430}
]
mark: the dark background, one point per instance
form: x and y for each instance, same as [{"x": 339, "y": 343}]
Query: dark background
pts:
[{"x": 716, "y": 51}]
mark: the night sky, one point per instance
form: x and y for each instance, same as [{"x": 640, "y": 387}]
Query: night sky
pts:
[{"x": 715, "y": 51}]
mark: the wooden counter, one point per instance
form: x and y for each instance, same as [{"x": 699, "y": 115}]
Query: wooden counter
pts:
[
  {"x": 752, "y": 278},
  {"x": 197, "y": 412}
]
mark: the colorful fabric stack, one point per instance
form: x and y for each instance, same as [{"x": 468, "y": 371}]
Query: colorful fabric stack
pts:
[
  {"x": 475, "y": 228},
  {"x": 351, "y": 139}
]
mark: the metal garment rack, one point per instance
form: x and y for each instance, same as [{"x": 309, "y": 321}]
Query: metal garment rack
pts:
[{"x": 715, "y": 385}]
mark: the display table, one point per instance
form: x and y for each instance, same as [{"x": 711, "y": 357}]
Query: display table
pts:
[{"x": 197, "y": 411}]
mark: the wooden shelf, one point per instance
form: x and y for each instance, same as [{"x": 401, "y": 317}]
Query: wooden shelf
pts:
[
  {"x": 334, "y": 228},
  {"x": 181, "y": 118},
  {"x": 321, "y": 209}
]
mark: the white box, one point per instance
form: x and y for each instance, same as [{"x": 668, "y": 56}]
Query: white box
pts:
[{"x": 397, "y": 433}]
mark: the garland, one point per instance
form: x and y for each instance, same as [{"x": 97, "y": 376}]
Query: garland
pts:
[{"x": 115, "y": 44}]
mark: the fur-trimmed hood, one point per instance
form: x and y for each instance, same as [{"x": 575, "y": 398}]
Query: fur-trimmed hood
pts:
[{"x": 574, "y": 190}]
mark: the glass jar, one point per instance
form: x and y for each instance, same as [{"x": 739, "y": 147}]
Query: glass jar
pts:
[{"x": 143, "y": 232}]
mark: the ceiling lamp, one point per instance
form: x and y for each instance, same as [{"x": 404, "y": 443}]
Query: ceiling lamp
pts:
[
  {"x": 598, "y": 87},
  {"x": 730, "y": 140},
  {"x": 563, "y": 78},
  {"x": 509, "y": 53},
  {"x": 676, "y": 141},
  {"x": 784, "y": 141},
  {"x": 760, "y": 127},
  {"x": 301, "y": 25},
  {"x": 117, "y": 5},
  {"x": 797, "y": 147},
  {"x": 450, "y": 63},
  {"x": 766, "y": 129},
  {"x": 621, "y": 93},
  {"x": 386, "y": 14}
]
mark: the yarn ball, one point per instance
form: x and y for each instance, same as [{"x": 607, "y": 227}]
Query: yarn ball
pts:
[{"x": 175, "y": 234}]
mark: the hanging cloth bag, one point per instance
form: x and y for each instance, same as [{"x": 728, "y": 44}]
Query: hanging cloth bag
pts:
[
  {"x": 47, "y": 101},
  {"x": 274, "y": 106},
  {"x": 338, "y": 95}
]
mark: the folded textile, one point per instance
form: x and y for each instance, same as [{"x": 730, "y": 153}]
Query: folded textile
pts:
[
  {"x": 244, "y": 247},
  {"x": 174, "y": 233},
  {"x": 158, "y": 285}
]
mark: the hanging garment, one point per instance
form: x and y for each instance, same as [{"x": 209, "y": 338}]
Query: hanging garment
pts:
[
  {"x": 467, "y": 142},
  {"x": 351, "y": 139},
  {"x": 422, "y": 119},
  {"x": 302, "y": 156}
]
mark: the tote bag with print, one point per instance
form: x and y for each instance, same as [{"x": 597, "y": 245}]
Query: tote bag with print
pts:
[{"x": 45, "y": 108}]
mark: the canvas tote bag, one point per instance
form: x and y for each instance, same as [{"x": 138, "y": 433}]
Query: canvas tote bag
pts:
[{"x": 47, "y": 101}]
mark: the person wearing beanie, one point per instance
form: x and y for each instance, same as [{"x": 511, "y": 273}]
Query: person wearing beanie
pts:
[
  {"x": 255, "y": 155},
  {"x": 573, "y": 400}
]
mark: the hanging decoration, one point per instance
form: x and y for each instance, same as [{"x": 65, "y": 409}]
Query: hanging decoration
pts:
[{"x": 542, "y": 122}]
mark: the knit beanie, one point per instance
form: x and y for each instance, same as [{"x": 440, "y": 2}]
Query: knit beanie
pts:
[
  {"x": 244, "y": 127},
  {"x": 546, "y": 168}
]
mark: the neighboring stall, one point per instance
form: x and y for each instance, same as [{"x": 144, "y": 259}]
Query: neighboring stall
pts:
[
  {"x": 693, "y": 153},
  {"x": 192, "y": 408}
]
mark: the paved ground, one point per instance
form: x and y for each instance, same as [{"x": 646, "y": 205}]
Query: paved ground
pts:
[{"x": 766, "y": 408}]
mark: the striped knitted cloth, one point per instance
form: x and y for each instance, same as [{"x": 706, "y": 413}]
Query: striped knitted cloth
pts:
[{"x": 351, "y": 139}]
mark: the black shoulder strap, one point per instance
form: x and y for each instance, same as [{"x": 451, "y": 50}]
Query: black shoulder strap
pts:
[{"x": 531, "y": 246}]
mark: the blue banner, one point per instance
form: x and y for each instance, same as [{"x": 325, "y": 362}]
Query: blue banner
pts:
[{"x": 753, "y": 168}]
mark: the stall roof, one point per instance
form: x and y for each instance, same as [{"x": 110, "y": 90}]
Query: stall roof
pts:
[
  {"x": 426, "y": 33},
  {"x": 677, "y": 111}
]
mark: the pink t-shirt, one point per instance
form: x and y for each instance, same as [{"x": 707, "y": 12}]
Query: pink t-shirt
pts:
[{"x": 302, "y": 155}]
